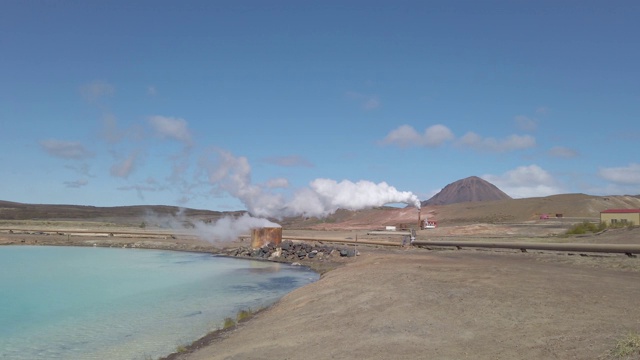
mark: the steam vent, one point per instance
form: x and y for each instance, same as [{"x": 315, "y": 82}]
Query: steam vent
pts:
[{"x": 262, "y": 236}]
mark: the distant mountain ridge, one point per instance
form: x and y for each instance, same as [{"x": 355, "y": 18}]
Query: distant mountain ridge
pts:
[
  {"x": 469, "y": 189},
  {"x": 18, "y": 211}
]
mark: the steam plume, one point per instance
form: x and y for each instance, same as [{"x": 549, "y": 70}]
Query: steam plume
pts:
[
  {"x": 229, "y": 228},
  {"x": 225, "y": 229},
  {"x": 323, "y": 196}
]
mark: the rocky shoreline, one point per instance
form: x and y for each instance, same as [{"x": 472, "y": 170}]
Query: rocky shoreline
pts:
[{"x": 290, "y": 250}]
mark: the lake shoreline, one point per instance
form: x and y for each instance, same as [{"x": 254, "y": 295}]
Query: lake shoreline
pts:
[
  {"x": 405, "y": 303},
  {"x": 319, "y": 266}
]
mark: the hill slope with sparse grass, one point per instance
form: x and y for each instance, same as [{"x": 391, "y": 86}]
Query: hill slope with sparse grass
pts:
[
  {"x": 579, "y": 206},
  {"x": 117, "y": 214}
]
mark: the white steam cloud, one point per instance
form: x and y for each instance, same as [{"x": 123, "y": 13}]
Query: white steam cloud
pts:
[
  {"x": 224, "y": 229},
  {"x": 229, "y": 228},
  {"x": 323, "y": 196}
]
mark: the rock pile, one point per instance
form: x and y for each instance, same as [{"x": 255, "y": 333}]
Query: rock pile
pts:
[{"x": 293, "y": 251}]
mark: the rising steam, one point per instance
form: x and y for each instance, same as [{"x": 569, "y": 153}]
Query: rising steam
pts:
[
  {"x": 323, "y": 196},
  {"x": 230, "y": 228},
  {"x": 225, "y": 229}
]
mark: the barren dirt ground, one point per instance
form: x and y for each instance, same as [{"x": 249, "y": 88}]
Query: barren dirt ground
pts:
[
  {"x": 411, "y": 303},
  {"x": 417, "y": 304}
]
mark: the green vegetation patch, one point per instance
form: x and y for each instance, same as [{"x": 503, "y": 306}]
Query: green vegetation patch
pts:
[
  {"x": 590, "y": 227},
  {"x": 228, "y": 323},
  {"x": 627, "y": 347},
  {"x": 243, "y": 315},
  {"x": 586, "y": 227}
]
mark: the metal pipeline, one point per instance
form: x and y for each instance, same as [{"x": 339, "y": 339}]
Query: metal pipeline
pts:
[
  {"x": 103, "y": 232},
  {"x": 628, "y": 249},
  {"x": 345, "y": 241}
]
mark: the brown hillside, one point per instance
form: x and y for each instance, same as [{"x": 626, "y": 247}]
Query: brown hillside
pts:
[
  {"x": 118, "y": 214},
  {"x": 469, "y": 189},
  {"x": 573, "y": 207},
  {"x": 518, "y": 210}
]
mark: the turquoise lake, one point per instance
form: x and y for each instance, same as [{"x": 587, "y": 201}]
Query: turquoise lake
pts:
[{"x": 109, "y": 303}]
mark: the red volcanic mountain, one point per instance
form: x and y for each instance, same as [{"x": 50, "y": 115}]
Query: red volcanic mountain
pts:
[{"x": 470, "y": 189}]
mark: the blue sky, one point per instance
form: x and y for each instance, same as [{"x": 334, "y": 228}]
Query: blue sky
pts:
[{"x": 228, "y": 105}]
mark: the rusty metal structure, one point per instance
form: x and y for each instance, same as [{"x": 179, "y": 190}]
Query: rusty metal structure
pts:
[{"x": 263, "y": 236}]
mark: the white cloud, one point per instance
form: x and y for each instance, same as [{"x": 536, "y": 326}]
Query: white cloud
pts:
[
  {"x": 406, "y": 135},
  {"x": 368, "y": 102},
  {"x": 151, "y": 90},
  {"x": 511, "y": 142},
  {"x": 96, "y": 90},
  {"x": 110, "y": 131},
  {"x": 113, "y": 133},
  {"x": 125, "y": 167},
  {"x": 65, "y": 149},
  {"x": 289, "y": 161},
  {"x": 172, "y": 128},
  {"x": 232, "y": 174},
  {"x": 526, "y": 123},
  {"x": 436, "y": 135},
  {"x": 562, "y": 152},
  {"x": 371, "y": 103},
  {"x": 543, "y": 110},
  {"x": 227, "y": 171},
  {"x": 403, "y": 136},
  {"x": 277, "y": 183},
  {"x": 175, "y": 129},
  {"x": 628, "y": 175},
  {"x": 82, "y": 169},
  {"x": 76, "y": 184},
  {"x": 526, "y": 181}
]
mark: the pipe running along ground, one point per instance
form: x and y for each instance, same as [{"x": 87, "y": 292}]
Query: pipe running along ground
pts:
[
  {"x": 628, "y": 249},
  {"x": 344, "y": 241}
]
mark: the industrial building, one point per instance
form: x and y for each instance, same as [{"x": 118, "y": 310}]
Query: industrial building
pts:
[{"x": 620, "y": 217}]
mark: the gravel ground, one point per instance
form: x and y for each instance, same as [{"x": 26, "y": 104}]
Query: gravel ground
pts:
[{"x": 419, "y": 304}]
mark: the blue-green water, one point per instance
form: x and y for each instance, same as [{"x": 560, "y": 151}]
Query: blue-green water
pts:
[{"x": 104, "y": 303}]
